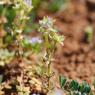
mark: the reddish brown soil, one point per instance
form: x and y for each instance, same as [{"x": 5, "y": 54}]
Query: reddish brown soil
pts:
[{"x": 77, "y": 58}]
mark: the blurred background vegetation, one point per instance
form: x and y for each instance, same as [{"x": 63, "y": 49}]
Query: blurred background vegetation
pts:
[{"x": 52, "y": 6}]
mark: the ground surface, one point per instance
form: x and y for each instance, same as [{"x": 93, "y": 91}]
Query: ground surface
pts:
[{"x": 77, "y": 59}]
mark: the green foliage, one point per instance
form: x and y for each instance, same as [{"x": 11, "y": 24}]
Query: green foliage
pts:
[
  {"x": 10, "y": 15},
  {"x": 62, "y": 81},
  {"x": 1, "y": 9},
  {"x": 55, "y": 5},
  {"x": 74, "y": 87},
  {"x": 8, "y": 39},
  {"x": 25, "y": 43},
  {"x": 36, "y": 3}
]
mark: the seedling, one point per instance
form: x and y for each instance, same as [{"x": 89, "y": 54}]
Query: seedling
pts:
[{"x": 50, "y": 38}]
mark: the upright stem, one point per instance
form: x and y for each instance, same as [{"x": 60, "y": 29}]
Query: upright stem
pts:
[
  {"x": 48, "y": 59},
  {"x": 49, "y": 72}
]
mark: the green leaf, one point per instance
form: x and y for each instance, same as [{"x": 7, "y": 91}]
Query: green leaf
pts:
[
  {"x": 25, "y": 43},
  {"x": 81, "y": 87},
  {"x": 58, "y": 38},
  {"x": 74, "y": 85},
  {"x": 36, "y": 48},
  {"x": 36, "y": 3},
  {"x": 62, "y": 80},
  {"x": 8, "y": 39},
  {"x": 1, "y": 9},
  {"x": 86, "y": 88}
]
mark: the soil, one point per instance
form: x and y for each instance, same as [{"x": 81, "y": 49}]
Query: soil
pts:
[{"x": 76, "y": 60}]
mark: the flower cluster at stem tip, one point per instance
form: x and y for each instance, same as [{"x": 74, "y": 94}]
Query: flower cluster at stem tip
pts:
[{"x": 47, "y": 28}]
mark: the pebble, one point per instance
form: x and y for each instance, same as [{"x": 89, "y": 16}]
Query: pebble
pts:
[{"x": 56, "y": 92}]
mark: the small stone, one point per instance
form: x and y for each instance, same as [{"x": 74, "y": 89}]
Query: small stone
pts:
[{"x": 56, "y": 91}]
